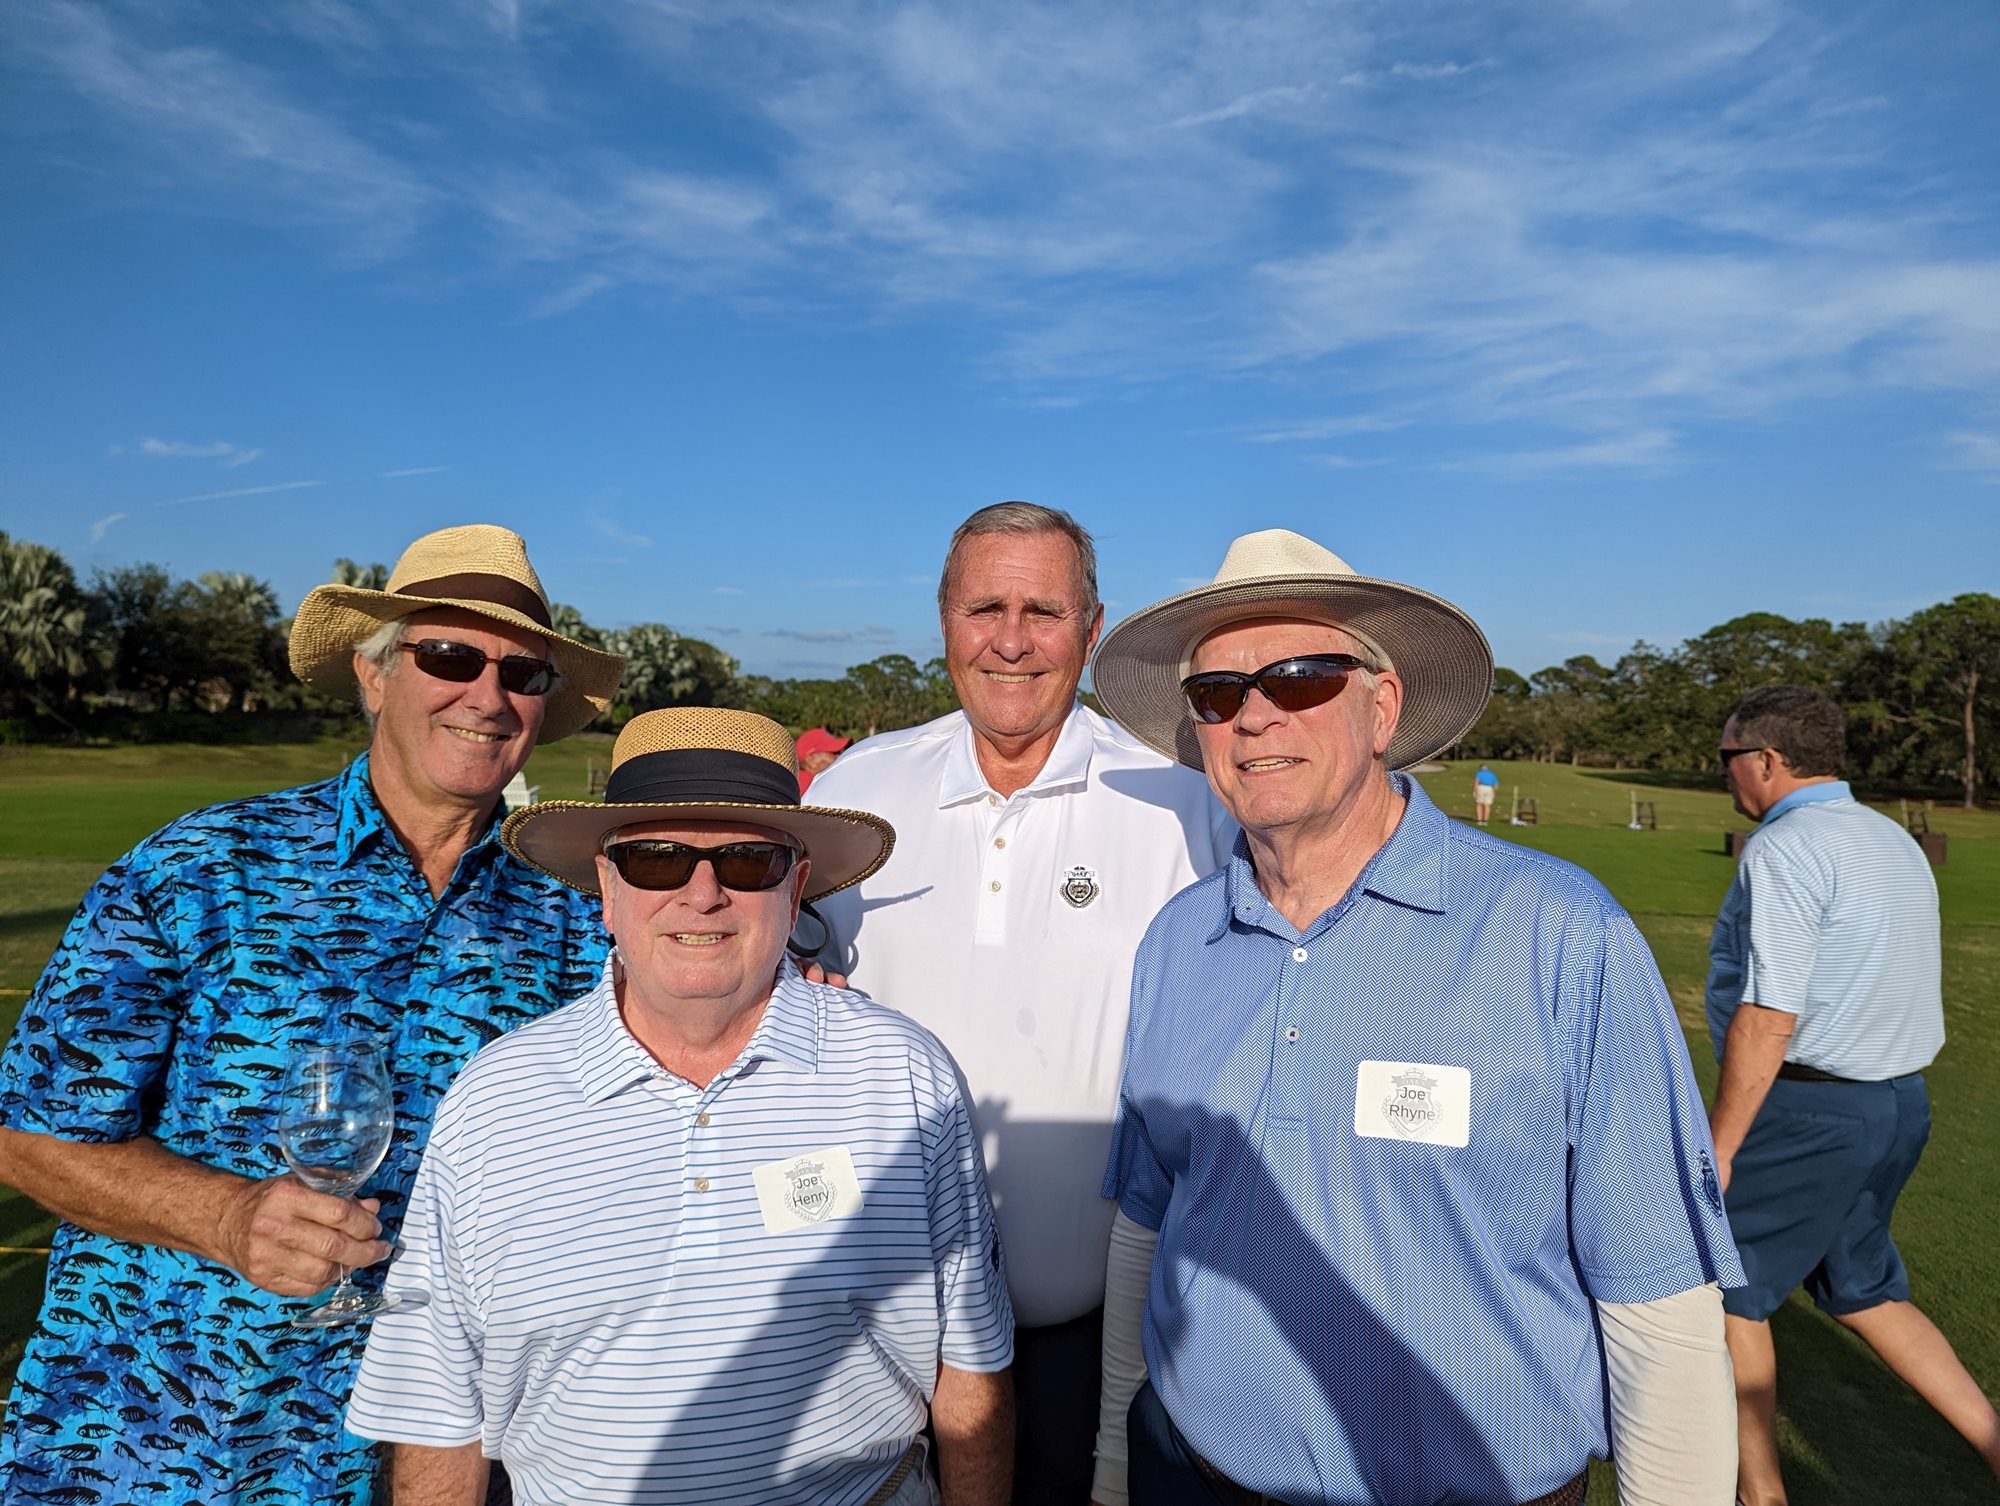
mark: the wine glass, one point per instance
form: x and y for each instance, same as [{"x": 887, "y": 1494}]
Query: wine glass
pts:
[{"x": 333, "y": 1128}]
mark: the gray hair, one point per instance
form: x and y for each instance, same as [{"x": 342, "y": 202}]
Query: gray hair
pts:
[
  {"x": 379, "y": 649},
  {"x": 1807, "y": 729},
  {"x": 1021, "y": 519}
]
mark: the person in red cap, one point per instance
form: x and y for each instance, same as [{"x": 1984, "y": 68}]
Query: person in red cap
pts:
[{"x": 818, "y": 748}]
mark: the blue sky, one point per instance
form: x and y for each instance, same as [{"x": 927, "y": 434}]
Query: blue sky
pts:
[{"x": 1608, "y": 321}]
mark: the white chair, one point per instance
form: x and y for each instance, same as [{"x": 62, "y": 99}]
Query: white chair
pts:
[{"x": 519, "y": 792}]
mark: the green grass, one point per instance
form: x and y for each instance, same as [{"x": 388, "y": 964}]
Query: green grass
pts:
[{"x": 1850, "y": 1431}]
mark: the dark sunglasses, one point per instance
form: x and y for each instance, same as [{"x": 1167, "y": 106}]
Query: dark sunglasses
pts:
[
  {"x": 1730, "y": 755},
  {"x": 461, "y": 662},
  {"x": 1290, "y": 685},
  {"x": 751, "y": 866}
]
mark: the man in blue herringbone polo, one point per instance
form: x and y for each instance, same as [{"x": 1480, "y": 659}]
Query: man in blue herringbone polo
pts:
[
  {"x": 1413, "y": 1179},
  {"x": 712, "y": 1232},
  {"x": 1825, "y": 1005}
]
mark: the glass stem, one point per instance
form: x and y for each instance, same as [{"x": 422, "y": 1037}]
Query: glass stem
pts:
[{"x": 343, "y": 1293}]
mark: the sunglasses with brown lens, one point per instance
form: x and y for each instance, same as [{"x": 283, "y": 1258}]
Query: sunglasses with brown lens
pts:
[
  {"x": 442, "y": 659},
  {"x": 749, "y": 867},
  {"x": 1295, "y": 684}
]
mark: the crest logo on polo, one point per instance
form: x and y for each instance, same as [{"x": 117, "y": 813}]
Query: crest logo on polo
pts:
[
  {"x": 807, "y": 1190},
  {"x": 1079, "y": 886},
  {"x": 1416, "y": 1101}
]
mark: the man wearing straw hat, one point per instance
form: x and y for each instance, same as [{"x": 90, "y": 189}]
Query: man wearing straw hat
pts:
[
  {"x": 1037, "y": 839},
  {"x": 1408, "y": 1132},
  {"x": 711, "y": 1232},
  {"x": 140, "y": 1090}
]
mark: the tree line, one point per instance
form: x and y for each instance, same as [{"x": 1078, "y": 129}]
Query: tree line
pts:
[
  {"x": 137, "y": 654},
  {"x": 1922, "y": 697}
]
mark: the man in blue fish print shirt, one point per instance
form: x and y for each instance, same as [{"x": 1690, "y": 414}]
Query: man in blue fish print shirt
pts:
[{"x": 139, "y": 1092}]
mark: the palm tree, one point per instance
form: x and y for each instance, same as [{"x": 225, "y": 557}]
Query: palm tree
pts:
[{"x": 45, "y": 639}]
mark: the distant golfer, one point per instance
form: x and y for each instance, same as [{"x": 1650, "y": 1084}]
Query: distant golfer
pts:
[
  {"x": 1484, "y": 785},
  {"x": 1825, "y": 1004},
  {"x": 817, "y": 749}
]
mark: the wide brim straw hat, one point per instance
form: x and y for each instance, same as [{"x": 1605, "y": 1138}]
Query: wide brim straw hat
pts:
[
  {"x": 476, "y": 567},
  {"x": 700, "y": 763},
  {"x": 1437, "y": 651}
]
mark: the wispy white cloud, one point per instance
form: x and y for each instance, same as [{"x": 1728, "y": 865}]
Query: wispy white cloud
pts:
[
  {"x": 1600, "y": 219},
  {"x": 1651, "y": 449},
  {"x": 243, "y": 491},
  {"x": 1974, "y": 452},
  {"x": 873, "y": 634},
  {"x": 104, "y": 525},
  {"x": 726, "y": 590},
  {"x": 609, "y": 528},
  {"x": 228, "y": 455},
  {"x": 1326, "y": 428},
  {"x": 413, "y": 470}
]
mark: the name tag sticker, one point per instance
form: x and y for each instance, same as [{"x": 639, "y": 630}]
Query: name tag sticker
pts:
[
  {"x": 815, "y": 1188},
  {"x": 1413, "y": 1101}
]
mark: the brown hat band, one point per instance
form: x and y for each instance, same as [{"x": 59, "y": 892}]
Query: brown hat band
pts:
[{"x": 478, "y": 585}]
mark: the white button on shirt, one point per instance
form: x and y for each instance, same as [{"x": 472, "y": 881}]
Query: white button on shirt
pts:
[{"x": 968, "y": 928}]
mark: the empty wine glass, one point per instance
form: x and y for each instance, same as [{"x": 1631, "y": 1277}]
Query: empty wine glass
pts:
[{"x": 333, "y": 1128}]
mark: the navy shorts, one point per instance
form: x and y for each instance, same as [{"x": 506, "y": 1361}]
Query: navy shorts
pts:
[{"x": 1812, "y": 1189}]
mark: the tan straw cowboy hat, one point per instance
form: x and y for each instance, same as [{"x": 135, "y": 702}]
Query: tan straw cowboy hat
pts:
[
  {"x": 1435, "y": 649},
  {"x": 476, "y": 567},
  {"x": 700, "y": 763}
]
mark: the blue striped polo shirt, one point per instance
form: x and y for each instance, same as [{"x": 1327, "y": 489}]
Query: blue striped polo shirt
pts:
[
  {"x": 1833, "y": 917},
  {"x": 1394, "y": 1157},
  {"x": 642, "y": 1291}
]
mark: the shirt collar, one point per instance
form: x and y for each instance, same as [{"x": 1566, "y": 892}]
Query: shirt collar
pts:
[
  {"x": 1410, "y": 868},
  {"x": 1068, "y": 764},
  {"x": 364, "y": 822},
  {"x": 609, "y": 1058},
  {"x": 1808, "y": 794}
]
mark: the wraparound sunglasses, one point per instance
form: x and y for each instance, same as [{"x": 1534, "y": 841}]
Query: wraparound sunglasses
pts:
[
  {"x": 523, "y": 674},
  {"x": 745, "y": 866},
  {"x": 1295, "y": 684}
]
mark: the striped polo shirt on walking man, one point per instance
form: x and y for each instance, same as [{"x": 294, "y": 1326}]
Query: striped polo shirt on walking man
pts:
[
  {"x": 642, "y": 1291},
  {"x": 1833, "y": 918}
]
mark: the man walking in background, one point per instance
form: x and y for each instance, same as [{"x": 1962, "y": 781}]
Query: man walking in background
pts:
[
  {"x": 140, "y": 1090},
  {"x": 1035, "y": 840},
  {"x": 1825, "y": 1006}
]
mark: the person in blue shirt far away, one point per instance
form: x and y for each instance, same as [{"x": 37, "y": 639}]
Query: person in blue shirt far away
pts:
[
  {"x": 1485, "y": 785},
  {"x": 1415, "y": 1188},
  {"x": 1825, "y": 1004}
]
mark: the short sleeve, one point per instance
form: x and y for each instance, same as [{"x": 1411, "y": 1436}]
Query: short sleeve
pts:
[
  {"x": 420, "y": 1374},
  {"x": 975, "y": 1312},
  {"x": 1785, "y": 912},
  {"x": 1134, "y": 1175},
  {"x": 1646, "y": 1212},
  {"x": 96, "y": 1032}
]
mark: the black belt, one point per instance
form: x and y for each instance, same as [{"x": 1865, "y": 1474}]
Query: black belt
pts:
[
  {"x": 1241, "y": 1495},
  {"x": 1800, "y": 1072}
]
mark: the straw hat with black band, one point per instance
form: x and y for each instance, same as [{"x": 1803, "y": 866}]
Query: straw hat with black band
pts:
[
  {"x": 476, "y": 567},
  {"x": 700, "y": 763},
  {"x": 1437, "y": 651}
]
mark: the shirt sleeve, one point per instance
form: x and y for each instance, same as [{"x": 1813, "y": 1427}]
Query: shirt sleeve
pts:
[
  {"x": 420, "y": 1374},
  {"x": 1786, "y": 909},
  {"x": 95, "y": 1035},
  {"x": 1134, "y": 1174},
  {"x": 1646, "y": 1213},
  {"x": 974, "y": 1309}
]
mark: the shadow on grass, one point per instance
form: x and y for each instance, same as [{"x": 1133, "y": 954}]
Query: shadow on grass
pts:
[
  {"x": 20, "y": 922},
  {"x": 1851, "y": 1432},
  {"x": 1705, "y": 780}
]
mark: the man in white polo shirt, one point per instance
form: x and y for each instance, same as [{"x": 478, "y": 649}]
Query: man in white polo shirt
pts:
[
  {"x": 1035, "y": 841},
  {"x": 711, "y": 1232}
]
